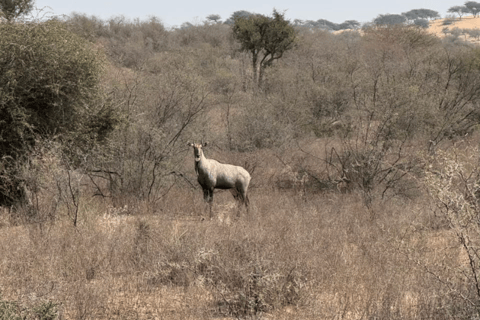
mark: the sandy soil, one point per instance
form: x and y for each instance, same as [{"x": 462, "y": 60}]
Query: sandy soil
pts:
[{"x": 468, "y": 22}]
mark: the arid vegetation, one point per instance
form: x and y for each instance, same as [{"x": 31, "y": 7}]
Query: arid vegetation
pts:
[{"x": 362, "y": 148}]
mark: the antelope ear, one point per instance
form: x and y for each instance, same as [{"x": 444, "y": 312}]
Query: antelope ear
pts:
[
  {"x": 205, "y": 144},
  {"x": 189, "y": 144}
]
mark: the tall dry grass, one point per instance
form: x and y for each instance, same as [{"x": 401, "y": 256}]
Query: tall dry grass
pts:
[{"x": 320, "y": 255}]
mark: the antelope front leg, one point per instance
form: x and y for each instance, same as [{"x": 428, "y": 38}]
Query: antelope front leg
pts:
[{"x": 210, "y": 202}]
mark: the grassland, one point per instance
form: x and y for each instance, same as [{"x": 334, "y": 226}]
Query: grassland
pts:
[{"x": 363, "y": 152}]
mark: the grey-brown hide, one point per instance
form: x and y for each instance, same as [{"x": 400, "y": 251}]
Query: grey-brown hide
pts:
[{"x": 212, "y": 175}]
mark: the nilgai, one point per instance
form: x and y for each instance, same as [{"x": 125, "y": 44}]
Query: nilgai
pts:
[{"x": 212, "y": 175}]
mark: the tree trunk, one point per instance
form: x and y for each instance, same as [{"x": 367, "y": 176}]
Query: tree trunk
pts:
[
  {"x": 254, "y": 66},
  {"x": 263, "y": 65},
  {"x": 260, "y": 76}
]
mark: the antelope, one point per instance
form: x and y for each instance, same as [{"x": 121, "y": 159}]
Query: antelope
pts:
[{"x": 212, "y": 175}]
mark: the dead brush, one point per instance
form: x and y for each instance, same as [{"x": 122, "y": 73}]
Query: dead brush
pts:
[
  {"x": 253, "y": 290},
  {"x": 243, "y": 285},
  {"x": 240, "y": 280}
]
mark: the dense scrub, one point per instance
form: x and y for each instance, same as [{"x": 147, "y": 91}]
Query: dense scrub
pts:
[{"x": 362, "y": 148}]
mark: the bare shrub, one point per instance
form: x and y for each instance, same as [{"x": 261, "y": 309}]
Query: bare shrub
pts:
[
  {"x": 85, "y": 302},
  {"x": 383, "y": 119},
  {"x": 251, "y": 289},
  {"x": 50, "y": 185},
  {"x": 128, "y": 43},
  {"x": 452, "y": 181},
  {"x": 302, "y": 259},
  {"x": 474, "y": 33},
  {"x": 260, "y": 125},
  {"x": 159, "y": 111},
  {"x": 449, "y": 20}
]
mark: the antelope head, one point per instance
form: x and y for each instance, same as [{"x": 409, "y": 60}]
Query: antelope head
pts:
[{"x": 197, "y": 150}]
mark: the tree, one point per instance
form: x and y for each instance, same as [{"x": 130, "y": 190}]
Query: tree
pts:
[
  {"x": 411, "y": 15},
  {"x": 186, "y": 25},
  {"x": 453, "y": 185},
  {"x": 326, "y": 25},
  {"x": 238, "y": 14},
  {"x": 49, "y": 87},
  {"x": 12, "y": 9},
  {"x": 473, "y": 7},
  {"x": 389, "y": 19},
  {"x": 214, "y": 17},
  {"x": 428, "y": 14},
  {"x": 310, "y": 24},
  {"x": 266, "y": 38},
  {"x": 298, "y": 22},
  {"x": 421, "y": 23},
  {"x": 414, "y": 14},
  {"x": 349, "y": 24},
  {"x": 460, "y": 10}
]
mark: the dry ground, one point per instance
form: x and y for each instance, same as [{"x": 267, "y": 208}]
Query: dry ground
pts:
[
  {"x": 299, "y": 253},
  {"x": 467, "y": 22},
  {"x": 349, "y": 261}
]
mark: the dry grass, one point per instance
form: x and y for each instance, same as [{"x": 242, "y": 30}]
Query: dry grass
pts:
[
  {"x": 326, "y": 256},
  {"x": 298, "y": 253}
]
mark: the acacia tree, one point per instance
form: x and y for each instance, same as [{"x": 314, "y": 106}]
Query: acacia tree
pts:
[
  {"x": 266, "y": 38},
  {"x": 460, "y": 10},
  {"x": 237, "y": 14},
  {"x": 214, "y": 17},
  {"x": 349, "y": 24},
  {"x": 389, "y": 19},
  {"x": 12, "y": 9},
  {"x": 415, "y": 14},
  {"x": 473, "y": 7},
  {"x": 421, "y": 23}
]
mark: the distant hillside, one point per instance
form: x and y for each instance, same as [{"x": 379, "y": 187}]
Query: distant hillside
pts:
[
  {"x": 469, "y": 22},
  {"x": 467, "y": 28}
]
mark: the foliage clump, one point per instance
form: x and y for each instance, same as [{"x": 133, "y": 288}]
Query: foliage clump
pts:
[
  {"x": 49, "y": 87},
  {"x": 11, "y": 310},
  {"x": 452, "y": 180},
  {"x": 13, "y": 9},
  {"x": 266, "y": 38}
]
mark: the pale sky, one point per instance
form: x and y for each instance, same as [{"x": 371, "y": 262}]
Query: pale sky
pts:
[{"x": 174, "y": 12}]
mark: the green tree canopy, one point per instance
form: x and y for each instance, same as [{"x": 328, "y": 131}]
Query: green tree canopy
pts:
[
  {"x": 266, "y": 38},
  {"x": 214, "y": 17},
  {"x": 49, "y": 87},
  {"x": 389, "y": 19},
  {"x": 421, "y": 23},
  {"x": 460, "y": 10},
  {"x": 414, "y": 14},
  {"x": 238, "y": 14},
  {"x": 473, "y": 7},
  {"x": 349, "y": 24}
]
